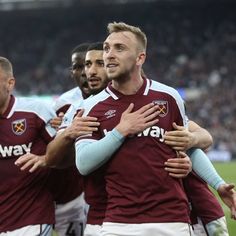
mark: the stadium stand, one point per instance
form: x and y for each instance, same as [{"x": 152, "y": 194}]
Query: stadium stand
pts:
[{"x": 192, "y": 46}]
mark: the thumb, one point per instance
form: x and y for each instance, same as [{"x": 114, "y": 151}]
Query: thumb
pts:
[
  {"x": 177, "y": 127},
  {"x": 182, "y": 154},
  {"x": 230, "y": 187},
  {"x": 130, "y": 108}
]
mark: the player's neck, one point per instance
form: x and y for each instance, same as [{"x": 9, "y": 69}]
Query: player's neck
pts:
[
  {"x": 4, "y": 106},
  {"x": 130, "y": 86}
]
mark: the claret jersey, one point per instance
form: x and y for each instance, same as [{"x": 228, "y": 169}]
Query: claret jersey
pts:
[
  {"x": 24, "y": 197},
  {"x": 139, "y": 189}
]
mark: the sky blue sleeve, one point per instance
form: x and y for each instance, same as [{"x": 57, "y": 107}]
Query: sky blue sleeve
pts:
[
  {"x": 90, "y": 155},
  {"x": 204, "y": 168}
]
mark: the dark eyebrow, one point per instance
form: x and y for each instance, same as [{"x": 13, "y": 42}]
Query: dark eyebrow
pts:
[{"x": 87, "y": 61}]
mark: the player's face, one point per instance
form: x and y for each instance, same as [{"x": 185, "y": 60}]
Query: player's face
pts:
[
  {"x": 77, "y": 72},
  {"x": 95, "y": 71},
  {"x": 120, "y": 54},
  {"x": 6, "y": 87}
]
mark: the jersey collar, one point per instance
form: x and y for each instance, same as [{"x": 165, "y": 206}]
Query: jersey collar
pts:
[{"x": 142, "y": 91}]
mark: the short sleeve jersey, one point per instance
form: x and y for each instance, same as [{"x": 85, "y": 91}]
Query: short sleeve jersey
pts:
[
  {"x": 24, "y": 197},
  {"x": 139, "y": 189}
]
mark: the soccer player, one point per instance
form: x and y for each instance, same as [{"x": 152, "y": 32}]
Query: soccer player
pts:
[
  {"x": 97, "y": 81},
  {"x": 26, "y": 205},
  {"x": 95, "y": 192},
  {"x": 142, "y": 198},
  {"x": 67, "y": 183}
]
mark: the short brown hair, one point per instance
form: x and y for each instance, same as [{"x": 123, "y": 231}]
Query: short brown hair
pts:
[
  {"x": 121, "y": 26},
  {"x": 6, "y": 66}
]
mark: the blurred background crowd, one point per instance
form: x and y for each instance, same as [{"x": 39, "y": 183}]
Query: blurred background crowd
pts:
[{"x": 191, "y": 46}]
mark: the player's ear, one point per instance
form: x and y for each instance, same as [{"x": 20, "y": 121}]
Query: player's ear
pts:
[
  {"x": 140, "y": 59},
  {"x": 11, "y": 83}
]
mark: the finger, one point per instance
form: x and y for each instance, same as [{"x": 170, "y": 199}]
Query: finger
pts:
[
  {"x": 151, "y": 110},
  {"x": 86, "y": 118},
  {"x": 34, "y": 168},
  {"x": 230, "y": 187},
  {"x": 183, "y": 155},
  {"x": 175, "y": 134},
  {"x": 177, "y": 163},
  {"x": 26, "y": 165},
  {"x": 85, "y": 124},
  {"x": 129, "y": 108},
  {"x": 151, "y": 123},
  {"x": 178, "y": 148},
  {"x": 177, "y": 168},
  {"x": 150, "y": 114},
  {"x": 55, "y": 123},
  {"x": 177, "y": 160},
  {"x": 22, "y": 159},
  {"x": 145, "y": 108},
  {"x": 80, "y": 113},
  {"x": 61, "y": 114},
  {"x": 84, "y": 129},
  {"x": 179, "y": 176},
  {"x": 175, "y": 143},
  {"x": 177, "y": 127}
]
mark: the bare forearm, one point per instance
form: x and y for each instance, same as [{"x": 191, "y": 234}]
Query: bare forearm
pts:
[
  {"x": 202, "y": 138},
  {"x": 60, "y": 152}
]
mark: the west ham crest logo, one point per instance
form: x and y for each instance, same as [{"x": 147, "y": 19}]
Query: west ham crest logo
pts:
[
  {"x": 163, "y": 107},
  {"x": 18, "y": 126}
]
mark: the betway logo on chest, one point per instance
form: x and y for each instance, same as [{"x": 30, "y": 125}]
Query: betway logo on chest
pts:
[
  {"x": 154, "y": 131},
  {"x": 16, "y": 150}
]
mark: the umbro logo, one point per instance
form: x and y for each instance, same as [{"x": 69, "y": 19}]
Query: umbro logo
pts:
[{"x": 110, "y": 113}]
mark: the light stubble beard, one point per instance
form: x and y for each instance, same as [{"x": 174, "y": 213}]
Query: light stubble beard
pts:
[{"x": 122, "y": 76}]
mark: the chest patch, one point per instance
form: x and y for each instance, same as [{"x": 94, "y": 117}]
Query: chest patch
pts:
[
  {"x": 163, "y": 107},
  {"x": 18, "y": 126}
]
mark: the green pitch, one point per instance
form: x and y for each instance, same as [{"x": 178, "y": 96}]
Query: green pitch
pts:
[{"x": 228, "y": 173}]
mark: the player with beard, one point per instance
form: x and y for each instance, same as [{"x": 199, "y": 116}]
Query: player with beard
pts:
[
  {"x": 142, "y": 198},
  {"x": 67, "y": 183},
  {"x": 94, "y": 191},
  {"x": 94, "y": 69}
]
